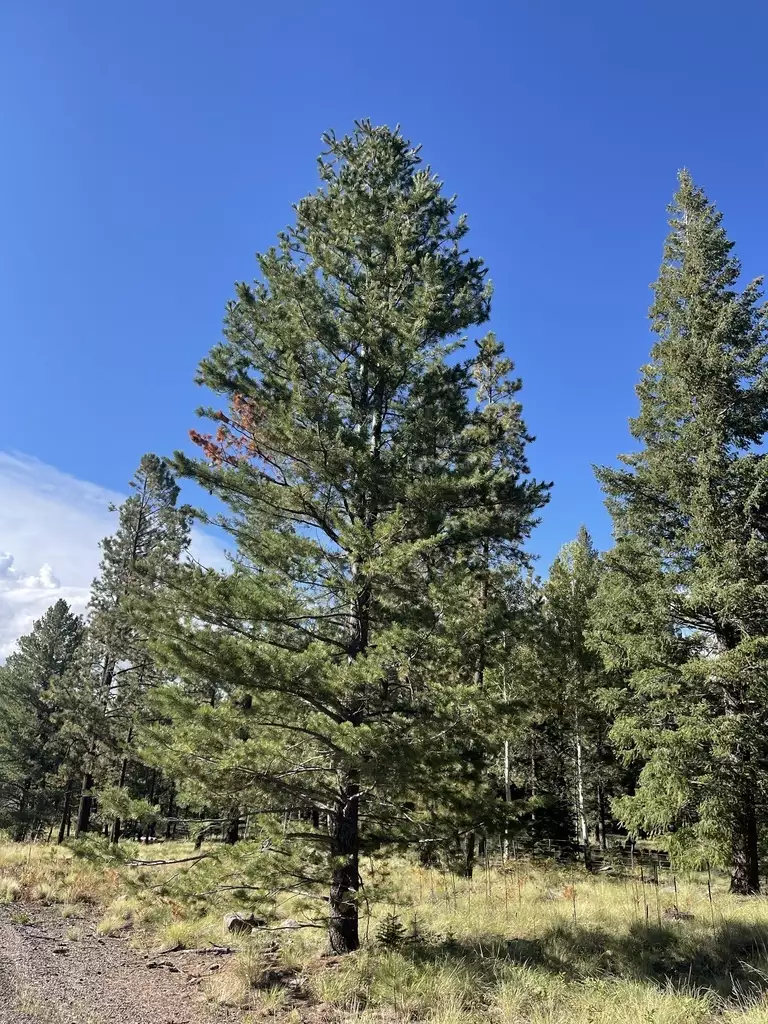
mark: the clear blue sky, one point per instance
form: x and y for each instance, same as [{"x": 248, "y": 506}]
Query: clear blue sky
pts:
[{"x": 149, "y": 149}]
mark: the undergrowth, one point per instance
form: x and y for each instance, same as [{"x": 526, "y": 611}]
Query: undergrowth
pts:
[{"x": 526, "y": 945}]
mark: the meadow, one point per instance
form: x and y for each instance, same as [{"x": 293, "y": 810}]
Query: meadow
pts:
[{"x": 521, "y": 943}]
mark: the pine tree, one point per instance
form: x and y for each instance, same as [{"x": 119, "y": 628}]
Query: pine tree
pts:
[
  {"x": 557, "y": 683},
  {"x": 489, "y": 617},
  {"x": 106, "y": 697},
  {"x": 347, "y": 459},
  {"x": 577, "y": 671},
  {"x": 684, "y": 607},
  {"x": 31, "y": 748}
]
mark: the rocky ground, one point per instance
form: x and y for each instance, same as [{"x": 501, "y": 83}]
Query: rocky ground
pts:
[{"x": 59, "y": 971}]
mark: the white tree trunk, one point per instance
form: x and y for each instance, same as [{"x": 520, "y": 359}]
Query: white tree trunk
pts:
[{"x": 581, "y": 814}]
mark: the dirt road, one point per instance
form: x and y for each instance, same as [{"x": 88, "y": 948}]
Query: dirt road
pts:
[{"x": 55, "y": 971}]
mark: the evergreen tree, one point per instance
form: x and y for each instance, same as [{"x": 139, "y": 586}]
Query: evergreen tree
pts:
[
  {"x": 106, "y": 697},
  {"x": 578, "y": 675},
  {"x": 684, "y": 606},
  {"x": 557, "y": 685},
  {"x": 31, "y": 748},
  {"x": 356, "y": 480},
  {"x": 489, "y": 616}
]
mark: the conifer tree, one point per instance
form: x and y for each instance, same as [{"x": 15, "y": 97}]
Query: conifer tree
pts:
[
  {"x": 557, "y": 682},
  {"x": 684, "y": 606},
  {"x": 488, "y": 616},
  {"x": 31, "y": 748},
  {"x": 106, "y": 696},
  {"x": 348, "y": 457},
  {"x": 576, "y": 670}
]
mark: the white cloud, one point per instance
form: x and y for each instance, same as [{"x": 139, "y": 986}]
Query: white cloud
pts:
[
  {"x": 10, "y": 575},
  {"x": 50, "y": 527}
]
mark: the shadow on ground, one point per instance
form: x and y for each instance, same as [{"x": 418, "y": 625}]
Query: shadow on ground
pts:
[{"x": 727, "y": 962}]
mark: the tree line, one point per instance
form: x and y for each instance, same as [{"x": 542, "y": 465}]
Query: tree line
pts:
[{"x": 379, "y": 666}]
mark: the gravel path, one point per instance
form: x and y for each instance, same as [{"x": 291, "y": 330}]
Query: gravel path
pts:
[{"x": 54, "y": 971}]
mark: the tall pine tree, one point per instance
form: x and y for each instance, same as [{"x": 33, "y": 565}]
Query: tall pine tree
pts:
[
  {"x": 684, "y": 606},
  {"x": 348, "y": 459}
]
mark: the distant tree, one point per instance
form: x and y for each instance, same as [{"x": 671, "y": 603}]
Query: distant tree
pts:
[
  {"x": 684, "y": 604},
  {"x": 577, "y": 675},
  {"x": 353, "y": 471},
  {"x": 106, "y": 696},
  {"x": 31, "y": 748},
  {"x": 557, "y": 684}
]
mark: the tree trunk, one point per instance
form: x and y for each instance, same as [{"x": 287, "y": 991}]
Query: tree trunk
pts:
[
  {"x": 507, "y": 796},
  {"x": 468, "y": 865},
  {"x": 745, "y": 869},
  {"x": 171, "y": 798},
  {"x": 115, "y": 832},
  {"x": 21, "y": 828},
  {"x": 84, "y": 810},
  {"x": 232, "y": 827},
  {"x": 602, "y": 815},
  {"x": 427, "y": 855},
  {"x": 580, "y": 810},
  {"x": 66, "y": 813},
  {"x": 745, "y": 861},
  {"x": 343, "y": 934}
]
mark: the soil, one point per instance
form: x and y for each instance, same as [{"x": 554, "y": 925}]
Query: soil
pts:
[{"x": 56, "y": 971}]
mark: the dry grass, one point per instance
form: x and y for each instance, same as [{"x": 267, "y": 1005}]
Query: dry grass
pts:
[
  {"x": 550, "y": 946},
  {"x": 529, "y": 945},
  {"x": 53, "y": 874}
]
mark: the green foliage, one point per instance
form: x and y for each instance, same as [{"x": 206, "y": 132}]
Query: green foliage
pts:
[
  {"x": 326, "y": 669},
  {"x": 556, "y": 689},
  {"x": 32, "y": 747},
  {"x": 683, "y": 605},
  {"x": 391, "y": 931},
  {"x": 103, "y": 699},
  {"x": 378, "y": 667}
]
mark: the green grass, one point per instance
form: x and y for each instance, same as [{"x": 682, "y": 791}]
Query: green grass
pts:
[{"x": 526, "y": 945}]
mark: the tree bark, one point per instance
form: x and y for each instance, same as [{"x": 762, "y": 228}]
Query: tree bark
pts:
[
  {"x": 171, "y": 798},
  {"x": 580, "y": 809},
  {"x": 507, "y": 796},
  {"x": 745, "y": 862},
  {"x": 343, "y": 933},
  {"x": 602, "y": 815},
  {"x": 232, "y": 827},
  {"x": 66, "y": 814},
  {"x": 468, "y": 863},
  {"x": 84, "y": 810}
]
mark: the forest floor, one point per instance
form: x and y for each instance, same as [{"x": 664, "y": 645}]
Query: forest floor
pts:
[
  {"x": 56, "y": 970},
  {"x": 88, "y": 936}
]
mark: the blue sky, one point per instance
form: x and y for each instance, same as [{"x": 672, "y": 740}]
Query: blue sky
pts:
[{"x": 151, "y": 148}]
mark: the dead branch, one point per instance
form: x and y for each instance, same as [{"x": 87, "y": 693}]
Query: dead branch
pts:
[{"x": 160, "y": 863}]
